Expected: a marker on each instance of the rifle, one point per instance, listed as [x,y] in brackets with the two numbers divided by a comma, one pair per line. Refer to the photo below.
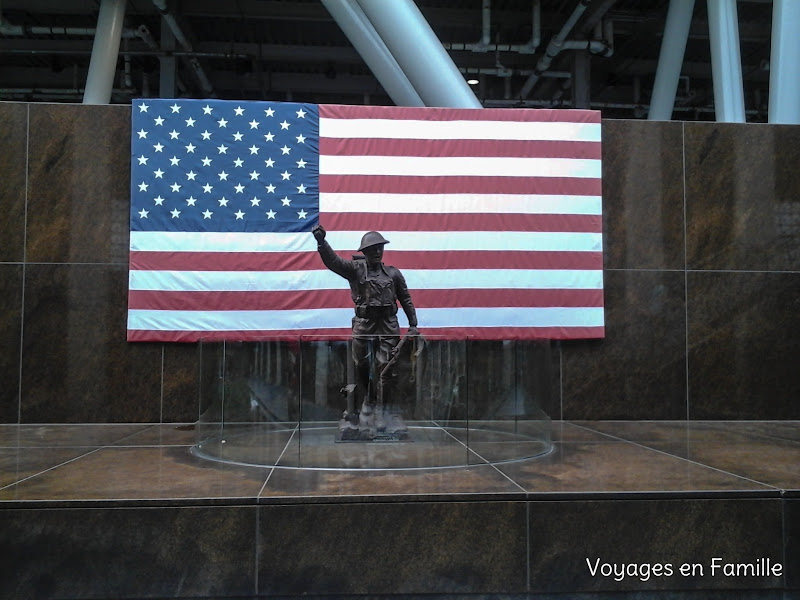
[395,356]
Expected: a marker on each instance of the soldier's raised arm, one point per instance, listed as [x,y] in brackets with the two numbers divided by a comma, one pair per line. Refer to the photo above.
[340,266]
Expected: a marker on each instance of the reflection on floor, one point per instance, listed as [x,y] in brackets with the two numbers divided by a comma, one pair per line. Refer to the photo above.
[62,463]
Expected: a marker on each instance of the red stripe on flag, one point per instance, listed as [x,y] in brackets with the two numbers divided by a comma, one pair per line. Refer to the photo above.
[251,300]
[513,333]
[305,261]
[225,261]
[463,222]
[455,333]
[311,299]
[396,113]
[138,335]
[387,184]
[504,148]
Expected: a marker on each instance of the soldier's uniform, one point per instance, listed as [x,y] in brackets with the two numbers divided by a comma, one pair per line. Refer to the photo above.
[375,295]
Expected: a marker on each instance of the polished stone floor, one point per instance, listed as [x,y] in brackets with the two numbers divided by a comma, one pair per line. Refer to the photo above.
[140,463]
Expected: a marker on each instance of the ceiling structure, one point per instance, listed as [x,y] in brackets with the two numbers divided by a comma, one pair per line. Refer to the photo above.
[293,50]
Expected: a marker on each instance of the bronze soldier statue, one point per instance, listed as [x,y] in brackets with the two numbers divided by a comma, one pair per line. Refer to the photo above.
[376,290]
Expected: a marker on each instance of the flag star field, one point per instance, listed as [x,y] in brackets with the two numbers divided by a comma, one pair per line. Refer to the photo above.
[218,166]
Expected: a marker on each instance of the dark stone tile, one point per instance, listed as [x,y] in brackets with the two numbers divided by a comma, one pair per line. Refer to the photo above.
[729,594]
[420,547]
[139,473]
[128,553]
[161,435]
[77,365]
[645,432]
[768,460]
[792,543]
[771,463]
[562,431]
[674,532]
[181,389]
[13,158]
[638,371]
[210,359]
[306,483]
[428,447]
[782,430]
[643,195]
[503,380]
[609,467]
[10,339]
[65,436]
[79,183]
[19,463]
[742,207]
[743,351]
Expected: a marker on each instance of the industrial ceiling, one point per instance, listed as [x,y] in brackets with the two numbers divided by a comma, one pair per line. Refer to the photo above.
[294,50]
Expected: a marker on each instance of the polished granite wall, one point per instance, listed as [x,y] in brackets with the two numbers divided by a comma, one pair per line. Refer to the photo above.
[702,279]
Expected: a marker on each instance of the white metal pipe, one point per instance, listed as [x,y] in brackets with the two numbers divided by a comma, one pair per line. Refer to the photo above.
[726,61]
[167,64]
[358,29]
[784,79]
[670,59]
[536,26]
[553,48]
[592,46]
[7,28]
[419,53]
[486,20]
[105,50]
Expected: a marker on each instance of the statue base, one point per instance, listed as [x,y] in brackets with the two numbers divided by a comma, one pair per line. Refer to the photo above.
[372,428]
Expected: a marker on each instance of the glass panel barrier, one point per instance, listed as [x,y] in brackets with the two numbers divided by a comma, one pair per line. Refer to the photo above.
[373,403]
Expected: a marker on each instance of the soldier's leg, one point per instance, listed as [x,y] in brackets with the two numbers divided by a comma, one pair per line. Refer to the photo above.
[388,377]
[361,360]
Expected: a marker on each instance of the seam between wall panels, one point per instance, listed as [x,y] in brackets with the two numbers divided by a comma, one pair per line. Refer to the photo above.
[24,261]
[161,390]
[685,273]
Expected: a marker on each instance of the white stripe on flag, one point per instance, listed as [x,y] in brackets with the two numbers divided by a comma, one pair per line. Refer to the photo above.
[459,166]
[460,203]
[334,318]
[419,279]
[348,241]
[458,130]
[192,241]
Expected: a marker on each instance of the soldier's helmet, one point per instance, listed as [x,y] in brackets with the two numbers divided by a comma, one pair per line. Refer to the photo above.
[372,238]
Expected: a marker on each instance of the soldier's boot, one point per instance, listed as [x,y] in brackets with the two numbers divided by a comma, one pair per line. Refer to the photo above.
[366,418]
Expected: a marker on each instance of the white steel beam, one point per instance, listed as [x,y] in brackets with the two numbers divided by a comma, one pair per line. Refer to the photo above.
[105,50]
[670,59]
[784,77]
[726,61]
[419,53]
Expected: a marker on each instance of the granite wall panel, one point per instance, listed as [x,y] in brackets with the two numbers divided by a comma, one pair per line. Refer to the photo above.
[132,553]
[10,332]
[78,183]
[742,202]
[13,157]
[392,548]
[76,365]
[643,195]
[639,370]
[791,542]
[744,350]
[577,537]
[180,401]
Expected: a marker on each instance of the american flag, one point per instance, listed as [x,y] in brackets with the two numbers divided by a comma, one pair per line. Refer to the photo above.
[493,217]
